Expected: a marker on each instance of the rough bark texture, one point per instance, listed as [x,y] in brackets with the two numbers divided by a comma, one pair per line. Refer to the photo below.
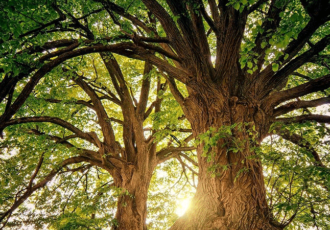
[233,198]
[220,94]
[132,205]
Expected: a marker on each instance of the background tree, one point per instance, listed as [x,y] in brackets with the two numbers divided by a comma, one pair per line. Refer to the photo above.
[96,123]
[239,60]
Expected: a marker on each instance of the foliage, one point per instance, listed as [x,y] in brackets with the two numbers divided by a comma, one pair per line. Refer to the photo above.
[77,71]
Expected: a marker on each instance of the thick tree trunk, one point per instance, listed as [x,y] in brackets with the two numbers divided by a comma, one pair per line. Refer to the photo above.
[132,203]
[231,192]
[134,180]
[233,200]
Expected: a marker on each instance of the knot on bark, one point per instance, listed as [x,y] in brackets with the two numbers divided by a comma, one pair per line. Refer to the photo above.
[233,101]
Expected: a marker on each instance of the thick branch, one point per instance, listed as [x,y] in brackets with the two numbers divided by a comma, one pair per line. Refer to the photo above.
[142,105]
[107,130]
[301,90]
[169,26]
[299,105]
[303,118]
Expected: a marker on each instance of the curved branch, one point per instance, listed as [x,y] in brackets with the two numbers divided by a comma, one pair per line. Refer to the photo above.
[299,105]
[303,118]
[8,84]
[298,91]
[121,48]
[302,76]
[53,120]
[171,152]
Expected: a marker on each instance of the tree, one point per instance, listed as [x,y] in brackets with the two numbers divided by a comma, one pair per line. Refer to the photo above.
[247,66]
[101,124]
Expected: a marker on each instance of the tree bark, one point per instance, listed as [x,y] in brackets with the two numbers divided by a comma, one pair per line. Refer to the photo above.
[134,180]
[132,204]
[231,196]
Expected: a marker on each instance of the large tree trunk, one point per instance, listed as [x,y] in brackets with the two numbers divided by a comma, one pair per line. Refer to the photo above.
[134,180]
[132,203]
[231,191]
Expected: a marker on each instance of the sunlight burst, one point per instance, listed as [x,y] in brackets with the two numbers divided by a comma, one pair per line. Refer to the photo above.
[183,206]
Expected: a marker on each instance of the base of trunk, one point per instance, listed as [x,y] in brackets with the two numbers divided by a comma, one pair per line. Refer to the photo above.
[132,204]
[233,199]
[130,214]
[210,214]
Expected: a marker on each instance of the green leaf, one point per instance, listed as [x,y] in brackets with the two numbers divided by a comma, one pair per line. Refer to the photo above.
[275,67]
[236,6]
